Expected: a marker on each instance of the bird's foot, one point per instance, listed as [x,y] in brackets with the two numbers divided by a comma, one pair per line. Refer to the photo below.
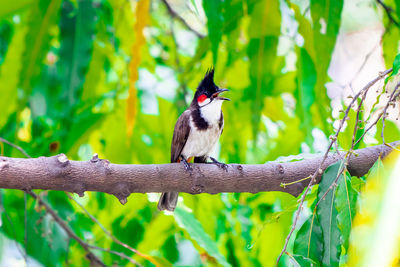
[186,165]
[219,164]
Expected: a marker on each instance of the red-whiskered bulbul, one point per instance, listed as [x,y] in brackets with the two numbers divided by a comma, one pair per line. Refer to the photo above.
[197,132]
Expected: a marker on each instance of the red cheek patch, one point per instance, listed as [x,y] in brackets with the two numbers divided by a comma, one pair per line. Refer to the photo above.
[201,98]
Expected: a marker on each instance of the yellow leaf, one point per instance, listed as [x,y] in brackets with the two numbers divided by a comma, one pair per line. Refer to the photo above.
[375,236]
[142,17]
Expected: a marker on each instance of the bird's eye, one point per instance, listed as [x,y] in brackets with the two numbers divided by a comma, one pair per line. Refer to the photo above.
[201,98]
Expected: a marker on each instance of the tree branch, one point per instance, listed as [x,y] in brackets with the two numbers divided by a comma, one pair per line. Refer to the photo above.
[388,11]
[92,257]
[176,15]
[59,173]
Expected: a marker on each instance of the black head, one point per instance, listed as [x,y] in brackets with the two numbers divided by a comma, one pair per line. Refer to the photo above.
[207,89]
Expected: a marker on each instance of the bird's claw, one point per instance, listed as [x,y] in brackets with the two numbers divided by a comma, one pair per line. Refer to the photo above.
[186,165]
[219,164]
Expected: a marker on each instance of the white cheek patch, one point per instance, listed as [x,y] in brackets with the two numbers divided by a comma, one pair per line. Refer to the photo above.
[205,102]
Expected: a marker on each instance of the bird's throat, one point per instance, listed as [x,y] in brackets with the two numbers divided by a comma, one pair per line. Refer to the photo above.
[211,112]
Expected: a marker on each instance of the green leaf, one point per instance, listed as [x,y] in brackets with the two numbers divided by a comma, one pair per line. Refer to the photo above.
[80,128]
[187,221]
[42,17]
[46,242]
[10,73]
[213,10]
[6,31]
[130,232]
[397,2]
[309,240]
[265,19]
[9,7]
[261,50]
[396,65]
[77,26]
[326,19]
[327,215]
[391,131]
[345,204]
[265,65]
[301,261]
[390,44]
[345,139]
[306,80]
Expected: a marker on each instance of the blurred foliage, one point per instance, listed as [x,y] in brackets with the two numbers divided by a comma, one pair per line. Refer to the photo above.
[112,76]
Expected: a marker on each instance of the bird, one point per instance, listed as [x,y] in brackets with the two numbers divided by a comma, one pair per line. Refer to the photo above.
[197,132]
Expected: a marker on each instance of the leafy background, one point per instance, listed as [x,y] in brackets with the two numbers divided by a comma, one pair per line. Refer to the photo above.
[111,77]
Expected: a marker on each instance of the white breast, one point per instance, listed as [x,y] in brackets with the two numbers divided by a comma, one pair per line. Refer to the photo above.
[201,143]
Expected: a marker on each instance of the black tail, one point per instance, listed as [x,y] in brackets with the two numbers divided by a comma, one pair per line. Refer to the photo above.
[168,201]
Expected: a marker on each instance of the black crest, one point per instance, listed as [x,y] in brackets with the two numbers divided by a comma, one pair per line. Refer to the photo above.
[207,85]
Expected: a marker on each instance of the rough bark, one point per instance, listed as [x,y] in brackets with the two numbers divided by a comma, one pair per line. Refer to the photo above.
[59,173]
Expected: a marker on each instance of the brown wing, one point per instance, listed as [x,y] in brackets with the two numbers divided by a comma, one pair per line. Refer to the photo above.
[221,122]
[181,134]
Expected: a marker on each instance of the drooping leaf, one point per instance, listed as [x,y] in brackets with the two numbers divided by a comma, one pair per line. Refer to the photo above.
[263,31]
[326,19]
[327,214]
[260,50]
[390,45]
[309,240]
[10,73]
[345,204]
[305,96]
[77,30]
[213,11]
[43,16]
[187,221]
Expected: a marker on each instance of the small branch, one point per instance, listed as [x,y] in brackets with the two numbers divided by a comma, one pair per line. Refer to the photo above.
[2,140]
[115,239]
[392,99]
[121,255]
[93,258]
[388,11]
[319,170]
[176,15]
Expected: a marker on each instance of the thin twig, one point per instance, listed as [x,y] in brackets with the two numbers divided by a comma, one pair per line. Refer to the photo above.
[92,257]
[15,146]
[357,120]
[109,234]
[347,157]
[120,254]
[176,15]
[388,11]
[391,99]
[333,139]
[379,116]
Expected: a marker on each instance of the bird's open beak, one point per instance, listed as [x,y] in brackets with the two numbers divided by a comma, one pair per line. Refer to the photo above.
[220,90]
